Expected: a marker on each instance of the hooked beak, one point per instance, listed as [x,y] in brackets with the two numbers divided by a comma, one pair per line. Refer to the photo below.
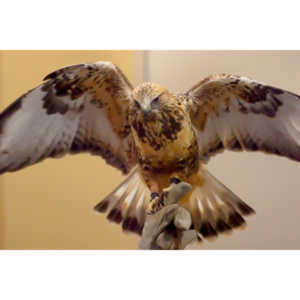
[148,114]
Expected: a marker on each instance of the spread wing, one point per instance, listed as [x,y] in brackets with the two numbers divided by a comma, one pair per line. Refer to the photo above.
[236,113]
[80,108]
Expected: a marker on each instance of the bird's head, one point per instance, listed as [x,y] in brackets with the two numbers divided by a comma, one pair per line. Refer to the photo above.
[150,100]
[156,114]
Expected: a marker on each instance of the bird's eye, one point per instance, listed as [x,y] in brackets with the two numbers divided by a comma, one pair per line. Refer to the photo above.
[137,104]
[155,100]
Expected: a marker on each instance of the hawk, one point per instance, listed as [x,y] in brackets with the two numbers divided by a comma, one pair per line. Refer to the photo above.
[153,135]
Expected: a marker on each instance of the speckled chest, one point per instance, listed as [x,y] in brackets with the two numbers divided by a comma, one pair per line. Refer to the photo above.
[166,146]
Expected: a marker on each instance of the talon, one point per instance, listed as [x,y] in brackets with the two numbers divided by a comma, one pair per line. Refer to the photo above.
[152,208]
[174,180]
[154,195]
[156,203]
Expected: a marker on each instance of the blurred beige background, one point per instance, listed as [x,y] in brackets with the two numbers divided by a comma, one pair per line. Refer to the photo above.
[49,205]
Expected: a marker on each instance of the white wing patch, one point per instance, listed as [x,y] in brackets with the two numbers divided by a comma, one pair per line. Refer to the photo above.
[235,130]
[31,134]
[80,108]
[236,113]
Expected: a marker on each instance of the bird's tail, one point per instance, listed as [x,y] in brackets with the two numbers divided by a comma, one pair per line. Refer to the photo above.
[214,208]
[127,203]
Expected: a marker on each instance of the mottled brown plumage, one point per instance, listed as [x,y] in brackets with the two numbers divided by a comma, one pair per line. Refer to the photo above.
[154,134]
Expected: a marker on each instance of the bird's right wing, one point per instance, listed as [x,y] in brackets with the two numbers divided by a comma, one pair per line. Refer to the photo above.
[80,108]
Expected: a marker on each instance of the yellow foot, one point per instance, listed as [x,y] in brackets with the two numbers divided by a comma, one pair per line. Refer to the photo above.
[156,203]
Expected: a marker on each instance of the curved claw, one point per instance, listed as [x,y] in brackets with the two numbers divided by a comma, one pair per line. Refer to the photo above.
[175,180]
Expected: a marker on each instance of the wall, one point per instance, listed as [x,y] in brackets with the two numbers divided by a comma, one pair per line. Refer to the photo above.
[268,183]
[49,205]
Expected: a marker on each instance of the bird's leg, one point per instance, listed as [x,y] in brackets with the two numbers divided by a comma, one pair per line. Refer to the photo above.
[157,200]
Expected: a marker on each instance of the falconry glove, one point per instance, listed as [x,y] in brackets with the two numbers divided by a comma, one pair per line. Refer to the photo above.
[169,228]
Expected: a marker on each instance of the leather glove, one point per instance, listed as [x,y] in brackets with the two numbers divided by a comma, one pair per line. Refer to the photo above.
[169,228]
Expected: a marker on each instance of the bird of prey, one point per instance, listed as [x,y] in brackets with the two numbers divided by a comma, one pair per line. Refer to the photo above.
[152,134]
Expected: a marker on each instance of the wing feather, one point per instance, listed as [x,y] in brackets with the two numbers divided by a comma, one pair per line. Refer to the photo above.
[237,113]
[80,108]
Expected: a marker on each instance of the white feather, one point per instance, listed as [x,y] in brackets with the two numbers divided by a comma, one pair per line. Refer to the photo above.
[278,133]
[49,121]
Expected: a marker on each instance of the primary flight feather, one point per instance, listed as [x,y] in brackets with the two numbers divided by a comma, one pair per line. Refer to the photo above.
[155,135]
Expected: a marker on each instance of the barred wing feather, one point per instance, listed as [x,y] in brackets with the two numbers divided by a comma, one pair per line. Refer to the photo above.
[236,113]
[80,108]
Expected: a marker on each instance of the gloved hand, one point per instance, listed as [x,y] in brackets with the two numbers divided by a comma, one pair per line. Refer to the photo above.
[169,228]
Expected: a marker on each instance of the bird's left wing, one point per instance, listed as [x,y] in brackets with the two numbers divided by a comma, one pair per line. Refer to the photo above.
[80,108]
[236,113]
